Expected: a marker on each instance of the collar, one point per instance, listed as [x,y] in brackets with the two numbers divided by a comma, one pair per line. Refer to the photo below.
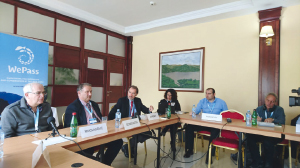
[83,102]
[130,100]
[211,102]
[168,101]
[39,107]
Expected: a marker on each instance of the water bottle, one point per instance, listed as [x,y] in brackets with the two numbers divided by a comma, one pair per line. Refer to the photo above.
[194,111]
[248,118]
[1,140]
[118,118]
[73,125]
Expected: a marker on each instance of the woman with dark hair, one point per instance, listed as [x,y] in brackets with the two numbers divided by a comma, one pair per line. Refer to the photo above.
[170,96]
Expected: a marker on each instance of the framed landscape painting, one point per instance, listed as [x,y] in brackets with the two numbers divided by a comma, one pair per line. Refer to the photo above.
[182,70]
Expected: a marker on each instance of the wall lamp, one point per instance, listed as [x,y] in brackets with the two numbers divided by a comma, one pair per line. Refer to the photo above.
[267,31]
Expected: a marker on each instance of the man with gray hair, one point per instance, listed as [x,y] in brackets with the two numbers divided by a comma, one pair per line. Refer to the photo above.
[271,113]
[28,115]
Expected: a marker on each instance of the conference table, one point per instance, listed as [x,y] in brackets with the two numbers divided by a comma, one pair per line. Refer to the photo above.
[18,150]
[235,125]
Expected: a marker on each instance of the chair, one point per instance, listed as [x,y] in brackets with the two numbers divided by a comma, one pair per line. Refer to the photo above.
[297,154]
[54,111]
[200,134]
[63,119]
[228,139]
[127,140]
[285,143]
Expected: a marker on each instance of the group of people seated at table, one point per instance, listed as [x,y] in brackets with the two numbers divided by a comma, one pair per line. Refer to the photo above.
[29,115]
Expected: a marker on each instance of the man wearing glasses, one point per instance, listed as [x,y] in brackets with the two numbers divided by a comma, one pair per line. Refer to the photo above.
[28,115]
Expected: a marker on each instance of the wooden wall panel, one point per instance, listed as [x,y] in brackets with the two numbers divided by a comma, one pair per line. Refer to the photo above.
[117,92]
[269,56]
[117,66]
[95,77]
[67,58]
[64,95]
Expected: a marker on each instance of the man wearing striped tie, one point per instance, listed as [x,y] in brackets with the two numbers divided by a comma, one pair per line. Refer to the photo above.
[88,112]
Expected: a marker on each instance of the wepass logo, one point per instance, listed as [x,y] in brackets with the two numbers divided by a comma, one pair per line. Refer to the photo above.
[26,57]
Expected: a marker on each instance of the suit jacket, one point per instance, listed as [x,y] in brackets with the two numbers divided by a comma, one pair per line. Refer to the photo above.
[123,105]
[77,107]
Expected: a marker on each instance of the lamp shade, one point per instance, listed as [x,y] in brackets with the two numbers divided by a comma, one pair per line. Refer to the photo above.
[266,31]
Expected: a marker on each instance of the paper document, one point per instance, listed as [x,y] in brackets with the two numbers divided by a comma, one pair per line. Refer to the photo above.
[179,112]
[265,124]
[52,141]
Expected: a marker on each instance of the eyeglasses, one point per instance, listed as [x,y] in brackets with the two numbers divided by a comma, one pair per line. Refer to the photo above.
[39,93]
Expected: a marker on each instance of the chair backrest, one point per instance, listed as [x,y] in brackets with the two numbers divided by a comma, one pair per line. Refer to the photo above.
[63,119]
[233,114]
[54,111]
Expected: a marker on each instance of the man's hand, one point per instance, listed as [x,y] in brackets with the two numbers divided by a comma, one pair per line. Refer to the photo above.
[258,119]
[269,120]
[151,108]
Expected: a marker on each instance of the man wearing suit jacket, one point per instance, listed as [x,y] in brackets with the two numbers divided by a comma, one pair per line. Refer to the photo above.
[88,112]
[130,106]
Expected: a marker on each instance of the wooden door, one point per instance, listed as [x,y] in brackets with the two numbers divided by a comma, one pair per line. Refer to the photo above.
[116,81]
[95,74]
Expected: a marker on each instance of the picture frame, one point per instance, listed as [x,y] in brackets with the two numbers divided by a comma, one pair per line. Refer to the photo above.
[182,70]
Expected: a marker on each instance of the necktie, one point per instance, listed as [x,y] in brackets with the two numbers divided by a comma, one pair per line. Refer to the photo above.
[88,106]
[131,105]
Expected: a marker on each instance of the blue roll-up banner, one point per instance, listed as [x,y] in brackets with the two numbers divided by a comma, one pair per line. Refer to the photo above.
[23,61]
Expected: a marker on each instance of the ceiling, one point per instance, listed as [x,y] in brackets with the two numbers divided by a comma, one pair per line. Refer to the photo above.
[136,17]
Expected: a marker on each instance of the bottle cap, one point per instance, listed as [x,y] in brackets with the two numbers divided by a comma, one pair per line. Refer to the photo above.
[74,113]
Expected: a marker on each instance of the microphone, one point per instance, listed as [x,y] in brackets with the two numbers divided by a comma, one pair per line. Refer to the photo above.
[136,115]
[51,121]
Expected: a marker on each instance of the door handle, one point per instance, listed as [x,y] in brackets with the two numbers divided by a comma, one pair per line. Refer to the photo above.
[109,91]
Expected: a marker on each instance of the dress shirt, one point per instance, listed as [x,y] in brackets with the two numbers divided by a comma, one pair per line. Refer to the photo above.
[87,114]
[298,121]
[133,108]
[216,107]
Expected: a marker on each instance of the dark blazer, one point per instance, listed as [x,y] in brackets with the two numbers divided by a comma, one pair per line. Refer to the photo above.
[3,104]
[77,107]
[163,104]
[123,105]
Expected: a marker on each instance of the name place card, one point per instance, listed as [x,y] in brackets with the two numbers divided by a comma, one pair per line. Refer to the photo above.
[213,117]
[36,156]
[143,117]
[92,130]
[152,116]
[129,124]
[297,127]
